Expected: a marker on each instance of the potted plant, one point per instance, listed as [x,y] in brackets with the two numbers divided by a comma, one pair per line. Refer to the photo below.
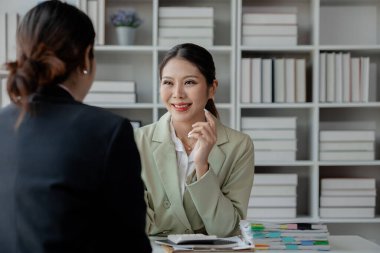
[126,22]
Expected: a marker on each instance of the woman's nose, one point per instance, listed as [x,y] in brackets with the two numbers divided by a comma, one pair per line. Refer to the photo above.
[178,91]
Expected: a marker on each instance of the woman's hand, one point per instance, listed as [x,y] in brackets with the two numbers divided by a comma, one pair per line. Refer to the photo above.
[205,134]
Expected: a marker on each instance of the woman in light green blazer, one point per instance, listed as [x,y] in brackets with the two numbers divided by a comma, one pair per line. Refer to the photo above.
[197,172]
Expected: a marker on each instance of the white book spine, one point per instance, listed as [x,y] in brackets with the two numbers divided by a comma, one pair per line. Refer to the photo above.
[270,134]
[186,12]
[101,22]
[341,201]
[364,79]
[169,42]
[275,145]
[270,18]
[3,39]
[346,77]
[256,80]
[344,212]
[355,79]
[113,86]
[92,12]
[339,193]
[338,78]
[245,80]
[347,135]
[274,190]
[5,100]
[348,183]
[290,83]
[268,122]
[274,40]
[110,98]
[185,22]
[322,77]
[300,80]
[330,77]
[347,155]
[262,212]
[279,80]
[269,30]
[275,179]
[185,32]
[279,156]
[267,80]
[346,145]
[273,201]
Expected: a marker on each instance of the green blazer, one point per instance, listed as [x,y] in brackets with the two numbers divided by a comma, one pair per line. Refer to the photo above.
[213,205]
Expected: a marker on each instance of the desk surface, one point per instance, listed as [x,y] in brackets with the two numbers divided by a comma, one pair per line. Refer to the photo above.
[339,244]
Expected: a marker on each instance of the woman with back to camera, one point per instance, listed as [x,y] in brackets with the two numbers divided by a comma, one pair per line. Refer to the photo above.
[65,167]
[197,172]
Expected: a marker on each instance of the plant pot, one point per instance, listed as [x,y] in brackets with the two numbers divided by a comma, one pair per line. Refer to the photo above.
[125,35]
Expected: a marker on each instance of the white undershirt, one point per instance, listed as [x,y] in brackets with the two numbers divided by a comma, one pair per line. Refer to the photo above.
[185,163]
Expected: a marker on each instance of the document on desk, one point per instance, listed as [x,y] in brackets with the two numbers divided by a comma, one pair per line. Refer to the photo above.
[220,245]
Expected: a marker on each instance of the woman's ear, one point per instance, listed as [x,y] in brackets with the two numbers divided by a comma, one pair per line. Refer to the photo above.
[212,89]
[87,64]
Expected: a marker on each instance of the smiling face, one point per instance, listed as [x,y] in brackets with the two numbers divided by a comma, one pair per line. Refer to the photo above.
[184,91]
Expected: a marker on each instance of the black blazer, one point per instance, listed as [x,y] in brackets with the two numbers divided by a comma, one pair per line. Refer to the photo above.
[69,179]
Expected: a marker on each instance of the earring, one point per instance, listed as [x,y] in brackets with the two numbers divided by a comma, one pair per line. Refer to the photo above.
[85,72]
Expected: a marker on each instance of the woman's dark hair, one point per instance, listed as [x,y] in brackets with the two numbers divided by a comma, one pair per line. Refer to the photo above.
[51,43]
[201,58]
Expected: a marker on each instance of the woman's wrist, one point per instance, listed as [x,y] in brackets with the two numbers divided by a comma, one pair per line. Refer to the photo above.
[201,170]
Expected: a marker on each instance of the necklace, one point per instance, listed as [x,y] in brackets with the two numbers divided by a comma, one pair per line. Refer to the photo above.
[187,146]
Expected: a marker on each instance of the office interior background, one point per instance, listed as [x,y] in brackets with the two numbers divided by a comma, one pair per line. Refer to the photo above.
[300,76]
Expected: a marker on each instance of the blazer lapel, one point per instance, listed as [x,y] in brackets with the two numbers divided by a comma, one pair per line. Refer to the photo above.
[166,163]
[217,156]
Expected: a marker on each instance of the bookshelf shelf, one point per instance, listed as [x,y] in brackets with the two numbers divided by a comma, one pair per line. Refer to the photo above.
[359,37]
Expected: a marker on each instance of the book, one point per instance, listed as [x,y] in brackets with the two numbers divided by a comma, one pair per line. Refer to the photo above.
[347,212]
[275,179]
[3,39]
[270,134]
[338,78]
[275,144]
[348,183]
[271,212]
[12,24]
[270,18]
[347,135]
[273,190]
[347,145]
[364,79]
[113,86]
[346,77]
[185,22]
[245,80]
[249,29]
[290,82]
[110,98]
[256,80]
[185,12]
[297,227]
[185,32]
[300,81]
[355,79]
[349,192]
[268,122]
[266,80]
[169,42]
[275,156]
[322,77]
[330,77]
[279,80]
[347,201]
[347,155]
[266,40]
[5,100]
[272,201]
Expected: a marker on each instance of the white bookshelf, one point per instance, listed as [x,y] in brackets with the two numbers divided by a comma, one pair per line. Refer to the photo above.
[140,63]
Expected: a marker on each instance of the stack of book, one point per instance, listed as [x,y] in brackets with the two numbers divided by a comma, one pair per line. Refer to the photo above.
[274,137]
[269,29]
[285,236]
[95,9]
[346,145]
[103,93]
[185,24]
[348,198]
[279,80]
[343,78]
[273,196]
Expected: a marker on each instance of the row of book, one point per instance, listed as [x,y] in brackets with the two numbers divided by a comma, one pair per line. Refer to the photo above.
[185,24]
[279,80]
[274,137]
[348,198]
[111,93]
[8,29]
[269,29]
[273,196]
[285,236]
[347,145]
[95,9]
[343,78]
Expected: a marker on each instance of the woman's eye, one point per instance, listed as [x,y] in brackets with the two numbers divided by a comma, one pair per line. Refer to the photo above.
[189,82]
[166,82]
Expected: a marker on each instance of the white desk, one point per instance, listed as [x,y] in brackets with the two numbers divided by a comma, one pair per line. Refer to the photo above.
[339,244]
